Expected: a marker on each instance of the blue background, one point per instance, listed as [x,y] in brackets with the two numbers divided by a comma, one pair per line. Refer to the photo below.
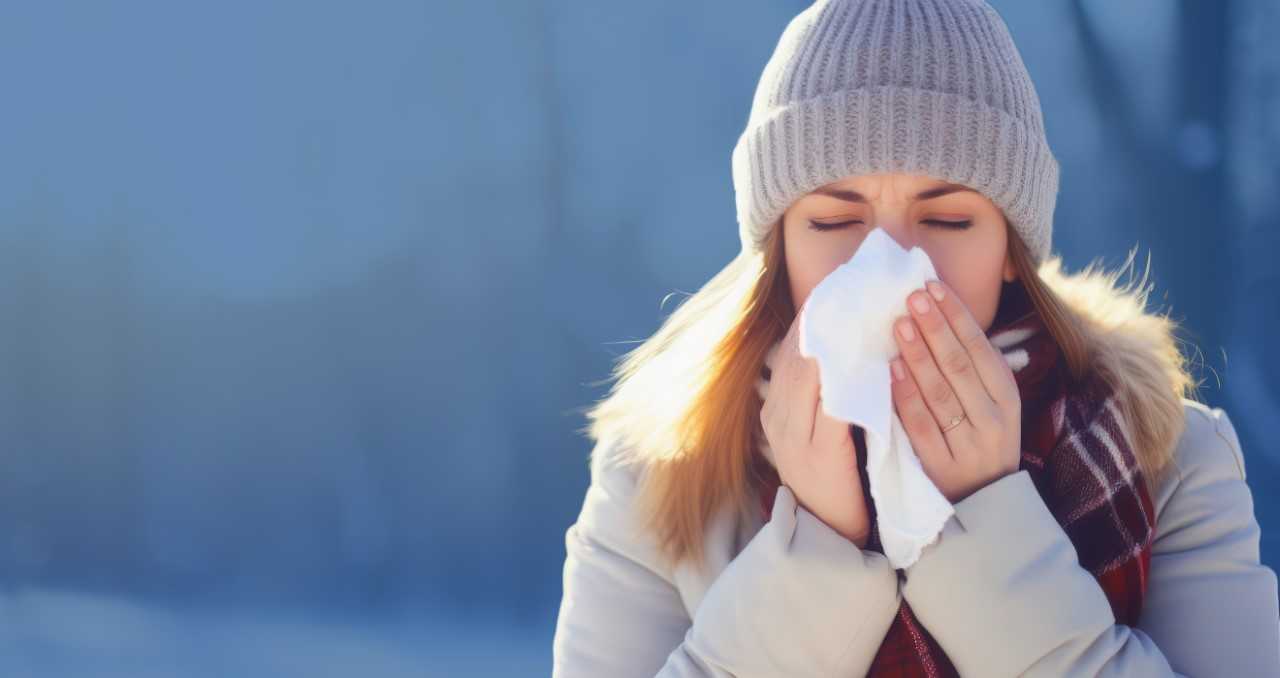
[300,302]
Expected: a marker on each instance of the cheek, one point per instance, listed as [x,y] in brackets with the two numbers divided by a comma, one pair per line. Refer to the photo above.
[973,265]
[981,299]
[977,286]
[810,261]
[803,279]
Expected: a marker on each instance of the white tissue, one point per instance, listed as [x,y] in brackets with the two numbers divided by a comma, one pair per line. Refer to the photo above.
[846,325]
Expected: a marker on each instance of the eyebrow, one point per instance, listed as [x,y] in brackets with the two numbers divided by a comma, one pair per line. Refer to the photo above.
[854,196]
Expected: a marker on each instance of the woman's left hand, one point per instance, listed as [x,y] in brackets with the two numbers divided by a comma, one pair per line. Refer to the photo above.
[955,395]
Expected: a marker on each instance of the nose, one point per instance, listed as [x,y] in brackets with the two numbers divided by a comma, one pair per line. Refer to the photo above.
[900,231]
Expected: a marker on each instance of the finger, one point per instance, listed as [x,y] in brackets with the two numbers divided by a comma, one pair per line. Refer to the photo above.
[827,430]
[987,361]
[936,390]
[951,357]
[782,361]
[773,413]
[808,395]
[922,429]
[800,388]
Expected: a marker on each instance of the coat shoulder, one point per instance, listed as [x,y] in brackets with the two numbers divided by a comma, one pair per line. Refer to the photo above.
[610,516]
[1207,461]
[1208,440]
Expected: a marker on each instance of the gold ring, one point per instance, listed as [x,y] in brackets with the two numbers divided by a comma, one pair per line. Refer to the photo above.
[955,421]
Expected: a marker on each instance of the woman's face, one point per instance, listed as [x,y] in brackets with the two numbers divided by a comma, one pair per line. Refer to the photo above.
[970,253]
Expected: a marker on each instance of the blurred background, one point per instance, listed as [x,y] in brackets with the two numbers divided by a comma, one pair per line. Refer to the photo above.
[300,302]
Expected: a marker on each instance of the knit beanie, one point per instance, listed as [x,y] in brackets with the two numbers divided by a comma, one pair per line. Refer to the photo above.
[932,87]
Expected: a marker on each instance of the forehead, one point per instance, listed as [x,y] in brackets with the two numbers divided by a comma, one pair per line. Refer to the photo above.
[868,187]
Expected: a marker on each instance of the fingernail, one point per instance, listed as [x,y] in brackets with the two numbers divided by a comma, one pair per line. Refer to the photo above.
[896,367]
[905,329]
[935,289]
[920,303]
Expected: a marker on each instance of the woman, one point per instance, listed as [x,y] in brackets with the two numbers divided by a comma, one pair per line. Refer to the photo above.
[1102,521]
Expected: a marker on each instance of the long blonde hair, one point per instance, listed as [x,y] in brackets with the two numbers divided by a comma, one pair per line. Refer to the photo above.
[685,406]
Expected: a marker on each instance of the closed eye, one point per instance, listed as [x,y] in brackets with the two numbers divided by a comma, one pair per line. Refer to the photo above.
[937,223]
[954,225]
[821,226]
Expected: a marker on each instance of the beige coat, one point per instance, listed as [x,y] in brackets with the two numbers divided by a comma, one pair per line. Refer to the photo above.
[1001,590]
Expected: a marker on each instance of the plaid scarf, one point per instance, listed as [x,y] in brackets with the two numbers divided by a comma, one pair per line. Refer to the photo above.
[1078,457]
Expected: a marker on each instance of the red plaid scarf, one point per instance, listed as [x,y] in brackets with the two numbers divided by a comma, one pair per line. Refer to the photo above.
[1078,456]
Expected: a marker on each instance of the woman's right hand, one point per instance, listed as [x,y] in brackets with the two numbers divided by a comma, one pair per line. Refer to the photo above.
[814,453]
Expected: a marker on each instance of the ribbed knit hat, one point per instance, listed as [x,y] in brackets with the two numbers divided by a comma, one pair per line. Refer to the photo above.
[932,87]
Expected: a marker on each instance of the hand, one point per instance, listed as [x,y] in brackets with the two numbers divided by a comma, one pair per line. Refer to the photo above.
[814,453]
[956,395]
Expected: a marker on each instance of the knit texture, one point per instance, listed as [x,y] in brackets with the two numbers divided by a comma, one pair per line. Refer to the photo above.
[932,87]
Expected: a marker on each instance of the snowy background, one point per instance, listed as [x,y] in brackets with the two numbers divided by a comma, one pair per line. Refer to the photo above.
[300,302]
